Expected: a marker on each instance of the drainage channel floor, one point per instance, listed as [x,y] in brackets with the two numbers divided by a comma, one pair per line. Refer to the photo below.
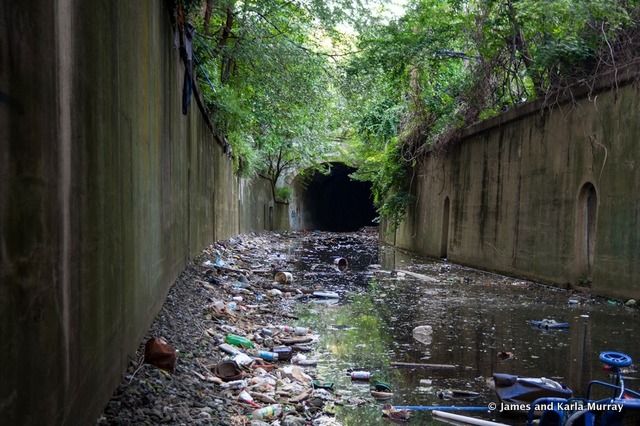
[479,324]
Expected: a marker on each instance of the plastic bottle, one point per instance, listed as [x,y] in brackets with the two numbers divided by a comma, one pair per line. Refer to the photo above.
[228,328]
[236,340]
[243,360]
[231,350]
[286,328]
[235,384]
[301,331]
[284,352]
[246,397]
[268,356]
[267,413]
[360,375]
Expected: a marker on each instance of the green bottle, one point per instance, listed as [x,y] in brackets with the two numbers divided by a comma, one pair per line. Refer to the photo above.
[236,340]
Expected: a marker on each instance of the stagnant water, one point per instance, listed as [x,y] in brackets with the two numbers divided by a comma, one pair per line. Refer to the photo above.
[474,316]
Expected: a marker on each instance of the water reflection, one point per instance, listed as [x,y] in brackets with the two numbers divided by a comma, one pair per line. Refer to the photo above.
[474,316]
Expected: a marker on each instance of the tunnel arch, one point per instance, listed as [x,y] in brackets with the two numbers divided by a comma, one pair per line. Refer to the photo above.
[333,201]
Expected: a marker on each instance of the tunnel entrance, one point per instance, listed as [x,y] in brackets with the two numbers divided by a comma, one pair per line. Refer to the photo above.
[335,202]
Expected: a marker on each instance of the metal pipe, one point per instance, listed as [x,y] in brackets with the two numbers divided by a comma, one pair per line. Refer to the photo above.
[464,419]
[438,407]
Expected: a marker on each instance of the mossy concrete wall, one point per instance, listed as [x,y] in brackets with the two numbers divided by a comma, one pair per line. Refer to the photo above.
[514,184]
[106,192]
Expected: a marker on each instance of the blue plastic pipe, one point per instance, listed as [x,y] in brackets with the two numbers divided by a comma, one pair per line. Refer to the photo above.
[438,407]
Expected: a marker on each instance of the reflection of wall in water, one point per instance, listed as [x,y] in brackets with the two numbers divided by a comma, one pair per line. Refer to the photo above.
[391,258]
[580,353]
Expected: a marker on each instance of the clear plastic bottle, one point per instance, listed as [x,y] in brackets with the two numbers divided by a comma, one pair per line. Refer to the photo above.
[301,331]
[247,398]
[268,413]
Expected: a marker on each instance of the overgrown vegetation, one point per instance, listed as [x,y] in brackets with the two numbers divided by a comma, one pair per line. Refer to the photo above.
[446,64]
[287,83]
[267,72]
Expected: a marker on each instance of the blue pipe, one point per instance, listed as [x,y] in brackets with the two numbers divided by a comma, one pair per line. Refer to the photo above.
[438,407]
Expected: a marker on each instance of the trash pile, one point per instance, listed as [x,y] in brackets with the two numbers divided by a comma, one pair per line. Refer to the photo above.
[227,348]
[224,350]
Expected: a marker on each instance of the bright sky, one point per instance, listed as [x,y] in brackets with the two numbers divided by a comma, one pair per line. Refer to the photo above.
[385,9]
[392,8]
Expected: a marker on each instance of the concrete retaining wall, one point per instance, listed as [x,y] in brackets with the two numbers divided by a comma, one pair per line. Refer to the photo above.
[106,191]
[516,192]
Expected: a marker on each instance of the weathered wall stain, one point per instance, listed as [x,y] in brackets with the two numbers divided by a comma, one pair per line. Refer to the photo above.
[514,183]
[106,192]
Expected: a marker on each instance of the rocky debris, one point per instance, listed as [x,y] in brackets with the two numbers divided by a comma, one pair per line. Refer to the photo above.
[238,359]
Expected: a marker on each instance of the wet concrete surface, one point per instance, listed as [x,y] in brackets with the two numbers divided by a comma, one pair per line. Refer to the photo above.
[474,316]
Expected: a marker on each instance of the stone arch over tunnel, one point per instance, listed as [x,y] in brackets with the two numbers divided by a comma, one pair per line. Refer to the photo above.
[334,201]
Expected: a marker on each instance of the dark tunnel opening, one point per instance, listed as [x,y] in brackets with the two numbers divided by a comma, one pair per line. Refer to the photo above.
[335,202]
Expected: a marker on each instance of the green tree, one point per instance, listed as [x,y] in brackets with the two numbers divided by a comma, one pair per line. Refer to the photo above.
[267,72]
[418,80]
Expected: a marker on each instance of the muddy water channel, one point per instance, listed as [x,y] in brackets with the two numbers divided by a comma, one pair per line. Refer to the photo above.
[475,318]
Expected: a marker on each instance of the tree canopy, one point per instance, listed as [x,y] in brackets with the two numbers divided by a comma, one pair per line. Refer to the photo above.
[290,82]
[418,80]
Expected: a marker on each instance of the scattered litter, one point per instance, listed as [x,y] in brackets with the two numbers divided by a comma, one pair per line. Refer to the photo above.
[549,324]
[268,356]
[504,355]
[381,396]
[415,275]
[245,397]
[317,384]
[326,294]
[423,365]
[240,341]
[359,375]
[231,350]
[341,263]
[159,353]
[228,371]
[244,360]
[274,292]
[284,352]
[283,277]
[396,415]
[459,419]
[448,394]
[267,413]
[423,334]
[381,391]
